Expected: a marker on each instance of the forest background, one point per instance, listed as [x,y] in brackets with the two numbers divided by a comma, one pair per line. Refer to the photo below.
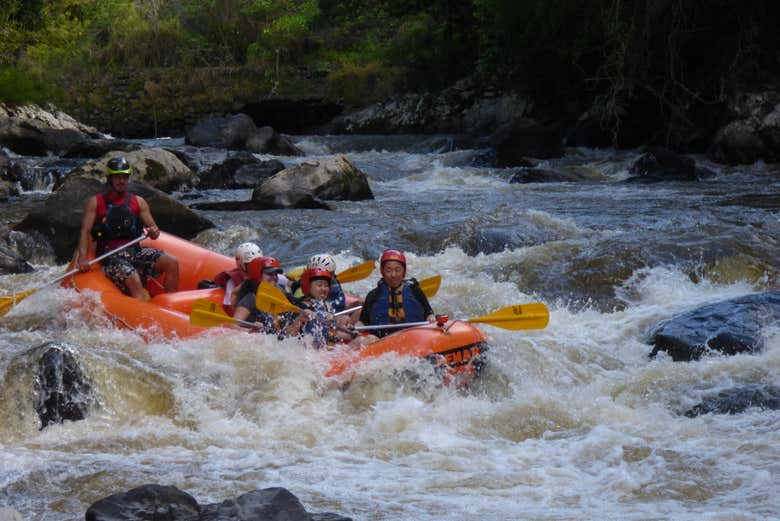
[666,65]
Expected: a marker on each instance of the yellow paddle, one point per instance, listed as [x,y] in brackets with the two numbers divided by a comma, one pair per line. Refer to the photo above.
[516,317]
[353,274]
[272,300]
[430,286]
[6,303]
[209,314]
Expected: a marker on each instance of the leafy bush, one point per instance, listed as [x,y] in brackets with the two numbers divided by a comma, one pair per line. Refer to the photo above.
[19,87]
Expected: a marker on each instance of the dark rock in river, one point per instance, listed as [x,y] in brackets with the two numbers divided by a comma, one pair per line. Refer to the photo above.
[10,260]
[165,503]
[242,170]
[525,138]
[729,327]
[738,399]
[94,148]
[59,220]
[754,131]
[62,391]
[238,132]
[661,164]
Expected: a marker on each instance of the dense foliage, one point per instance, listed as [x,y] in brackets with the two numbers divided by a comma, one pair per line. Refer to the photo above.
[671,54]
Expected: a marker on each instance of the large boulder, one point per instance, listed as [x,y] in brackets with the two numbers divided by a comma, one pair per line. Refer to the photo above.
[661,164]
[166,503]
[155,167]
[753,132]
[62,390]
[45,385]
[331,179]
[525,138]
[34,130]
[729,327]
[59,221]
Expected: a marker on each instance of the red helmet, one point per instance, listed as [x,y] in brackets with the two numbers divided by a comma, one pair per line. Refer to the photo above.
[312,274]
[393,255]
[256,267]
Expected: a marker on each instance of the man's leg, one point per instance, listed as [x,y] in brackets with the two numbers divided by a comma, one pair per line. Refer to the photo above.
[169,265]
[133,284]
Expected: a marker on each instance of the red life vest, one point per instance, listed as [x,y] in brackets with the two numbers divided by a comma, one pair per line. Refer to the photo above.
[236,275]
[103,201]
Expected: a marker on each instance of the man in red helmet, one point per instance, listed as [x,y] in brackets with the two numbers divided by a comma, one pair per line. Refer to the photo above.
[316,320]
[114,218]
[395,300]
[260,269]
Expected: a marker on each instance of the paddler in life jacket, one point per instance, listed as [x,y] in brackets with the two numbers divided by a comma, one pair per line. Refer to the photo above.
[316,321]
[232,279]
[261,269]
[395,300]
[336,298]
[114,218]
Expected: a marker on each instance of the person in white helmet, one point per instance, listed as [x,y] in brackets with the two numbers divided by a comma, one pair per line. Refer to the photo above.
[232,279]
[336,299]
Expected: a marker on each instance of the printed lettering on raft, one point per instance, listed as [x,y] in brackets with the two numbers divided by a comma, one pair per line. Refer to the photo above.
[461,356]
[517,310]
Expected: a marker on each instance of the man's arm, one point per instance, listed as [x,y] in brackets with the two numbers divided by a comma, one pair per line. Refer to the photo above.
[85,234]
[146,218]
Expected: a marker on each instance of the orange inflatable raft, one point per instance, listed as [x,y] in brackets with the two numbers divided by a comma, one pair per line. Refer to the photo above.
[166,314]
[455,347]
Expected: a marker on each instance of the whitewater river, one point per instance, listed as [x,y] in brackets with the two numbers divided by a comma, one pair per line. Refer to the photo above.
[572,422]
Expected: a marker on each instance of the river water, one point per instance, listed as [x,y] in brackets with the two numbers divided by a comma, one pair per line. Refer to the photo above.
[568,423]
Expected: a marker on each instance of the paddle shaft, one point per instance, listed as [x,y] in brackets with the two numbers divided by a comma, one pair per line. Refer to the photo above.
[393,326]
[97,259]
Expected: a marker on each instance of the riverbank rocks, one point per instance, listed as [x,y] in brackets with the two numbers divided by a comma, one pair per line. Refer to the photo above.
[34,130]
[753,132]
[467,107]
[238,132]
[155,167]
[167,503]
[729,327]
[59,220]
[331,179]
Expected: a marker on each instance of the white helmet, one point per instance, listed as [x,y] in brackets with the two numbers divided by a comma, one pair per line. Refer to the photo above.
[323,261]
[247,252]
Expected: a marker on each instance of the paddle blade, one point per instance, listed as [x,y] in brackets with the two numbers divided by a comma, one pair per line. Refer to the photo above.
[430,286]
[208,305]
[206,318]
[295,274]
[519,316]
[272,300]
[6,303]
[355,273]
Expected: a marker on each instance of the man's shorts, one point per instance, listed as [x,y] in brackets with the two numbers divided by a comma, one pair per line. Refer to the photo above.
[122,264]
